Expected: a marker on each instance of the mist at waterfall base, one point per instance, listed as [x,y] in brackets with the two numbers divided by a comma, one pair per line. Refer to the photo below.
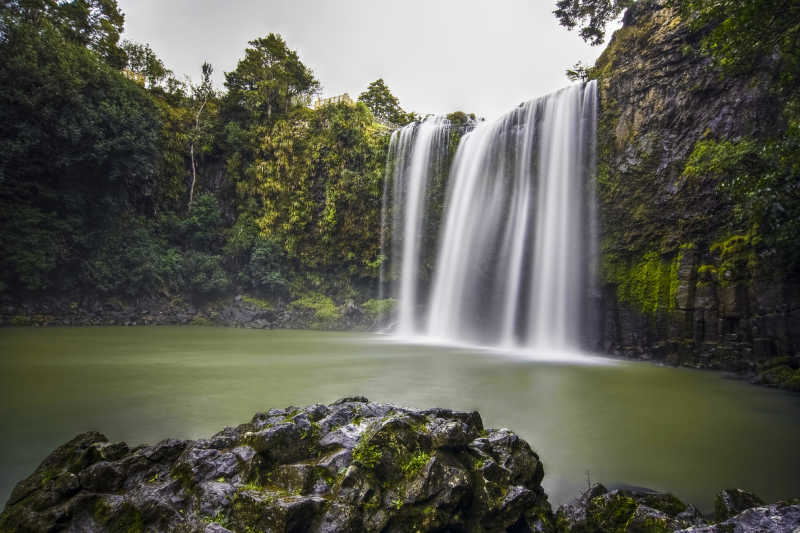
[495,246]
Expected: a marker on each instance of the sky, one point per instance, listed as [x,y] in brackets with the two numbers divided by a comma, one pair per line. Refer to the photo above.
[436,56]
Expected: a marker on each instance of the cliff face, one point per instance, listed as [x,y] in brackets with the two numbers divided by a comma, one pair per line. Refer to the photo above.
[682,279]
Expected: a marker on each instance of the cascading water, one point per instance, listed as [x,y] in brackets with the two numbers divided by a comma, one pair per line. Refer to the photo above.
[516,250]
[418,154]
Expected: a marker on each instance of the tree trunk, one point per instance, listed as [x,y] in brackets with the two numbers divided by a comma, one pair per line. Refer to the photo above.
[194,177]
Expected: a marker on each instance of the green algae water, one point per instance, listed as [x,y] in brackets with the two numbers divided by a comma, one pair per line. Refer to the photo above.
[621,423]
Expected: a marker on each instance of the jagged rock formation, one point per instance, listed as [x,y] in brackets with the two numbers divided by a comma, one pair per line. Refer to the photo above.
[599,510]
[349,466]
[682,282]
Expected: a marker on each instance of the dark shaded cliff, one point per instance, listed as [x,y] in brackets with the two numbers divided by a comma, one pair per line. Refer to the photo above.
[685,279]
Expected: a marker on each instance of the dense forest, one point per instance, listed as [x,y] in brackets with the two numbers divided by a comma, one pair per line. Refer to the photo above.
[118,180]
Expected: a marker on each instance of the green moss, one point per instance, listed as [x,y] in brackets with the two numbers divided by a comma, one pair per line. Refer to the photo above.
[324,313]
[367,455]
[376,309]
[666,503]
[183,474]
[201,321]
[258,302]
[415,464]
[20,320]
[126,519]
[737,255]
[793,383]
[218,518]
[782,376]
[313,433]
[649,283]
[611,514]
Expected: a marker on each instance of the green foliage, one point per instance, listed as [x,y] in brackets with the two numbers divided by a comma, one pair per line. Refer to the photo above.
[93,24]
[131,262]
[747,35]
[269,81]
[34,244]
[72,121]
[761,180]
[591,16]
[258,302]
[376,309]
[415,464]
[579,72]
[319,179]
[203,273]
[460,119]
[202,227]
[103,147]
[384,105]
[366,454]
[265,271]
[610,514]
[649,282]
[143,64]
[323,311]
[736,254]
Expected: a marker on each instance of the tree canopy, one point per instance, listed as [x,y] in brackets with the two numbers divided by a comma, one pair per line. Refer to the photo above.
[95,24]
[591,16]
[270,80]
[384,105]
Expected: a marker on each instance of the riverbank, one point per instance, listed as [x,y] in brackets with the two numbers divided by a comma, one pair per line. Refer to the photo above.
[240,310]
[349,466]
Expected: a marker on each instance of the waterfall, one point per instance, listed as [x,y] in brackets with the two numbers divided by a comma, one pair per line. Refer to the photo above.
[516,254]
[418,154]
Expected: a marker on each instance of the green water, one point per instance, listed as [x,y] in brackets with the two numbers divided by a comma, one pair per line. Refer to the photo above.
[685,431]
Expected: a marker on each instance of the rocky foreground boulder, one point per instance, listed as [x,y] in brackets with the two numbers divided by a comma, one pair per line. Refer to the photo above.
[349,466]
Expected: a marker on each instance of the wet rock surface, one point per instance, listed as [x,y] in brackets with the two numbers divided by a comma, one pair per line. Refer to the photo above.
[730,502]
[775,518]
[349,466]
[599,510]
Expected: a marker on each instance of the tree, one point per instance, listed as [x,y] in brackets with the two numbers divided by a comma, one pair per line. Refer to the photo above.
[384,105]
[591,16]
[200,135]
[143,64]
[72,121]
[318,177]
[270,80]
[78,149]
[94,24]
[579,72]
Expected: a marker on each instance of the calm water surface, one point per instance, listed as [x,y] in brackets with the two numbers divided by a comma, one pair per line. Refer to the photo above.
[685,431]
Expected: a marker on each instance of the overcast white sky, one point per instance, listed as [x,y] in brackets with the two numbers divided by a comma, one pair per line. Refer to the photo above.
[437,56]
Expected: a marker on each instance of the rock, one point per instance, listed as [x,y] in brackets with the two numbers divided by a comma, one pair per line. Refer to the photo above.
[730,502]
[775,518]
[600,510]
[353,466]
[661,97]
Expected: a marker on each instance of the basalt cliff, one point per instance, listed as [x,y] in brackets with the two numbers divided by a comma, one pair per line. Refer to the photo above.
[682,279]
